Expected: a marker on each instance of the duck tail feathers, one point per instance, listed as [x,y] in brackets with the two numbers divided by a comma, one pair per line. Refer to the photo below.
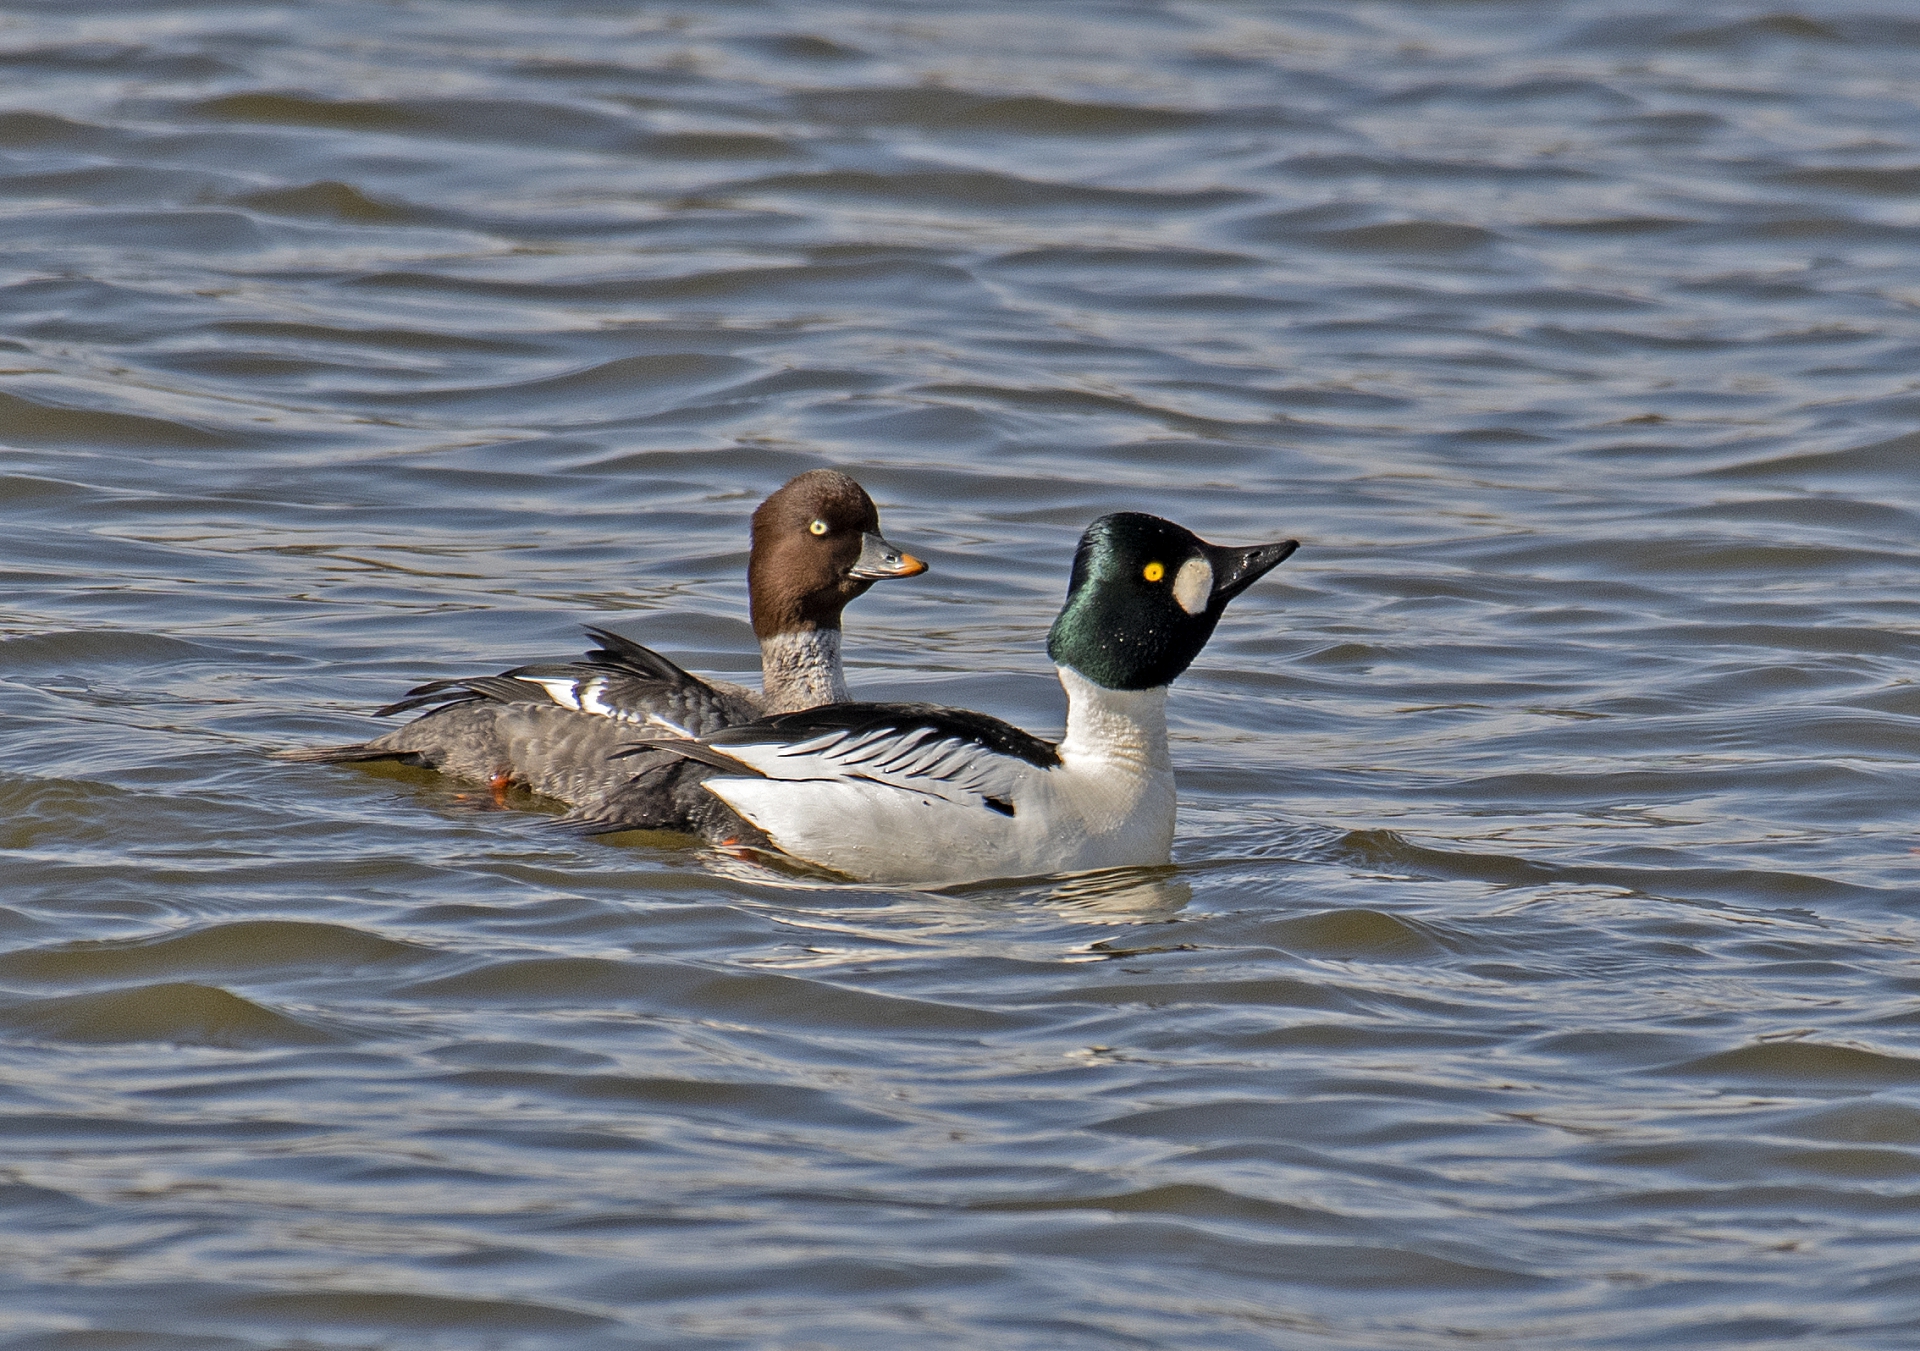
[341,755]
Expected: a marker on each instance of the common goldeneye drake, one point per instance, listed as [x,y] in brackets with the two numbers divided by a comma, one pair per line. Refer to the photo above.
[918,795]
[553,727]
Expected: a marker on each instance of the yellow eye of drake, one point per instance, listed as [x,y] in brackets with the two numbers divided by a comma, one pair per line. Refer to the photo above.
[1154,572]
[818,527]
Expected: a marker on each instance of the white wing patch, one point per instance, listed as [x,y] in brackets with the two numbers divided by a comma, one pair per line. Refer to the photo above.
[585,696]
[563,690]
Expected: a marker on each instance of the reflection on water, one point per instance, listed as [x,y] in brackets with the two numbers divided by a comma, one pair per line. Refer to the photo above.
[1136,895]
[1536,966]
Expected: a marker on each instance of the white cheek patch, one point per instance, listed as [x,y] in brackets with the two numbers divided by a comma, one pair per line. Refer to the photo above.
[1193,584]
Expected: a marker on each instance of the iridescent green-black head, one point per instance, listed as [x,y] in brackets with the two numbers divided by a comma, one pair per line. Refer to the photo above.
[1144,597]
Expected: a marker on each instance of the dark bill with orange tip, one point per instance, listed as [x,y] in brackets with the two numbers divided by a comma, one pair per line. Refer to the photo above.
[879,560]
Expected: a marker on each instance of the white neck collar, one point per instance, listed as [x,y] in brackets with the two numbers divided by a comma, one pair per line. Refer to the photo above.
[1129,726]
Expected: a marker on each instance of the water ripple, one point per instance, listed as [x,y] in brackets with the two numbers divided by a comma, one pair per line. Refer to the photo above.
[1536,957]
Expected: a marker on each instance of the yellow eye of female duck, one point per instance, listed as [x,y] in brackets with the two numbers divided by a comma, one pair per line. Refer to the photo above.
[818,528]
[1154,572]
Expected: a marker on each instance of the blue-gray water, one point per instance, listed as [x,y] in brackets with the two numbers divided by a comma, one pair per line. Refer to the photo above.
[1538,966]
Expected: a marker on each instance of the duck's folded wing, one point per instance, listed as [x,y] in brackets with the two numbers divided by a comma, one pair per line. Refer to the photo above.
[619,679]
[963,757]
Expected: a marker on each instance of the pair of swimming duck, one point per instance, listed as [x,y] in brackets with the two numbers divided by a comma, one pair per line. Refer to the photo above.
[900,794]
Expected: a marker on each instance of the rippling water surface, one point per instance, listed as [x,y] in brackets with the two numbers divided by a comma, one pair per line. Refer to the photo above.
[1537,968]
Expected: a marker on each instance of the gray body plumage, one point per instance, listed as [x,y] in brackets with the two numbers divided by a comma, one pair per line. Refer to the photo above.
[559,730]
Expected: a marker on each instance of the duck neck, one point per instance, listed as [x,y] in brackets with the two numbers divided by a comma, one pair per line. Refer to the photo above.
[800,668]
[1123,728]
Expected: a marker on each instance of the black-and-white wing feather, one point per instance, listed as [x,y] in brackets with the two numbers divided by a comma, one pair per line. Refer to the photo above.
[964,757]
[619,679]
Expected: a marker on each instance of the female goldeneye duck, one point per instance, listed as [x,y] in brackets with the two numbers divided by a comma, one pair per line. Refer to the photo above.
[552,727]
[917,795]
